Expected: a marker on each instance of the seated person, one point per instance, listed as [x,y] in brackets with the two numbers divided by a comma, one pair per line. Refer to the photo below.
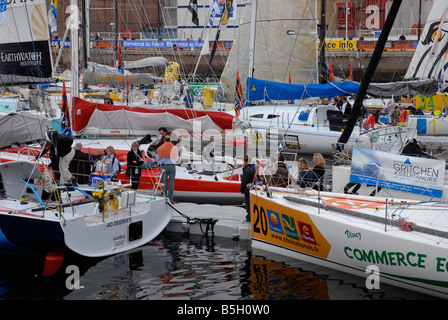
[304,176]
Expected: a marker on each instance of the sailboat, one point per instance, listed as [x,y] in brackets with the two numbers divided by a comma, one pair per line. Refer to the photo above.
[386,239]
[429,63]
[288,32]
[39,215]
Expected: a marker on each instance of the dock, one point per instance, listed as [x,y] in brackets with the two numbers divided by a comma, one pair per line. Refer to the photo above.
[217,220]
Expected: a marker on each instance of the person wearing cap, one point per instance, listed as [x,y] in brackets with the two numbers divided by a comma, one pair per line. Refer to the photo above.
[61,146]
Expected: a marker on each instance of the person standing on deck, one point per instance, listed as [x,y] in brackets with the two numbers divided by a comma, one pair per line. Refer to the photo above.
[167,154]
[61,146]
[189,99]
[134,163]
[248,178]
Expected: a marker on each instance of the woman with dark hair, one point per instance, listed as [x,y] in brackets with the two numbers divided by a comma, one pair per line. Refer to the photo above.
[280,177]
[134,163]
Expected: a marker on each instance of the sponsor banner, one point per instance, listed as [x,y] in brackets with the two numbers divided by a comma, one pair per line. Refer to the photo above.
[287,228]
[339,44]
[26,59]
[148,44]
[409,174]
[163,44]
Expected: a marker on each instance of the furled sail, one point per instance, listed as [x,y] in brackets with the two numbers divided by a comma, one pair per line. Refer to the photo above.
[25,55]
[117,79]
[427,87]
[270,90]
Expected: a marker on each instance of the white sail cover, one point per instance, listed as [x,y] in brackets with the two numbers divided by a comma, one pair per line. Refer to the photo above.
[21,128]
[87,116]
[25,54]
[430,55]
[276,52]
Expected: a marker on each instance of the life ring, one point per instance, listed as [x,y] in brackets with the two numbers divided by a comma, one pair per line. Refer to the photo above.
[403,116]
[370,122]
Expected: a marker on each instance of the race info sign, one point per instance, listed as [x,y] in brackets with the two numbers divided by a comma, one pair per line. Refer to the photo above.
[410,174]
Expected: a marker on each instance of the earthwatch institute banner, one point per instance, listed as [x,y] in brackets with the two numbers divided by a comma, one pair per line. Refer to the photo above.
[24,42]
[397,172]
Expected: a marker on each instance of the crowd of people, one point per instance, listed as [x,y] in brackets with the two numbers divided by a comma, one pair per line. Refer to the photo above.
[72,166]
[393,115]
[304,178]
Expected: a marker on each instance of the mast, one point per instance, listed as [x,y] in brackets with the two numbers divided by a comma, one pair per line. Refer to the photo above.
[75,49]
[376,56]
[322,37]
[84,36]
[253,27]
[116,31]
[83,33]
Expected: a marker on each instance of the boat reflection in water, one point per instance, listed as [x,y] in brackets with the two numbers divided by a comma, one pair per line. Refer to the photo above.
[176,267]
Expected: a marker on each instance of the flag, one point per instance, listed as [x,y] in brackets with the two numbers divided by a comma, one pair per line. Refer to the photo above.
[216,9]
[330,74]
[120,60]
[65,116]
[350,71]
[206,46]
[52,13]
[226,11]
[442,78]
[290,82]
[127,88]
[193,8]
[238,96]
[3,12]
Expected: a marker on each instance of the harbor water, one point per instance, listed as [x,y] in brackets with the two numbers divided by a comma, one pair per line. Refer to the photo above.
[179,267]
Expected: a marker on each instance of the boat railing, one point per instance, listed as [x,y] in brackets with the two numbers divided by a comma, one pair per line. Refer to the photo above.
[158,183]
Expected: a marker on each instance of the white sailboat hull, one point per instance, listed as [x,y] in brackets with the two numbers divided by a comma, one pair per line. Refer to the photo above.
[30,224]
[95,236]
[362,237]
[314,132]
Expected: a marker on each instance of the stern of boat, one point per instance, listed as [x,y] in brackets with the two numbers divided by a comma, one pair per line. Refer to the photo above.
[118,230]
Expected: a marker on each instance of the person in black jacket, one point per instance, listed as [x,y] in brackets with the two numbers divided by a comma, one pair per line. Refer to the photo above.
[248,178]
[81,165]
[61,146]
[134,163]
